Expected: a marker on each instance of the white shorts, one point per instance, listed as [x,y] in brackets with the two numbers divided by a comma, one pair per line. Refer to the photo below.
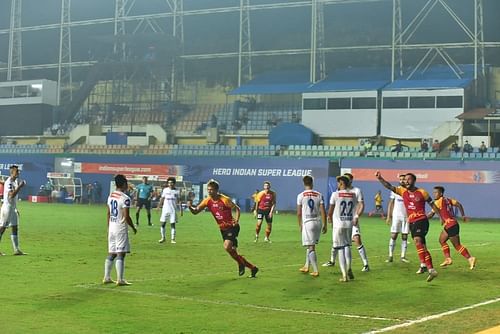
[311,231]
[400,225]
[8,216]
[355,231]
[342,236]
[118,242]
[168,216]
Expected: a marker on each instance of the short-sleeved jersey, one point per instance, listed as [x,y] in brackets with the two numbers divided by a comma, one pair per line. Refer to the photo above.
[117,202]
[265,200]
[10,185]
[398,210]
[445,206]
[414,202]
[170,199]
[221,209]
[345,202]
[144,190]
[358,192]
[310,201]
[378,199]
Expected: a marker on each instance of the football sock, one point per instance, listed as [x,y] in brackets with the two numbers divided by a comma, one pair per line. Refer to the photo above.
[149,218]
[172,231]
[404,246]
[234,254]
[392,245]
[108,264]
[313,260]
[446,249]
[428,260]
[120,267]
[333,255]
[257,229]
[307,258]
[268,231]
[462,250]
[15,241]
[348,257]
[342,261]
[362,253]
[137,218]
[162,231]
[420,253]
[247,264]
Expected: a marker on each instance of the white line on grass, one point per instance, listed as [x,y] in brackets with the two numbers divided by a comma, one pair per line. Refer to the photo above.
[433,317]
[228,303]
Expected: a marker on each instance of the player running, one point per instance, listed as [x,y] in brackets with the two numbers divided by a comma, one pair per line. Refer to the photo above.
[169,202]
[451,229]
[312,221]
[221,208]
[414,200]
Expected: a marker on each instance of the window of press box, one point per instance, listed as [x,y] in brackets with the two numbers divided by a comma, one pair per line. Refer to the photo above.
[315,104]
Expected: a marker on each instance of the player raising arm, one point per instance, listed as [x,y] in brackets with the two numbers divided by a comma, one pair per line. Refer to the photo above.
[221,208]
[414,200]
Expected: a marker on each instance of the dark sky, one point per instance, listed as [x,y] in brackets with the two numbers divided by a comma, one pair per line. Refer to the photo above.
[368,23]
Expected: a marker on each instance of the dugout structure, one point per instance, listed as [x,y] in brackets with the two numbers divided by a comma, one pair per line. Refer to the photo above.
[64,184]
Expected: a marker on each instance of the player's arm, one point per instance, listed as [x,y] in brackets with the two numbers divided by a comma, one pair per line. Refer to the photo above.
[237,211]
[386,184]
[13,193]
[108,215]
[128,220]
[160,204]
[323,217]
[273,206]
[196,209]
[179,205]
[435,209]
[390,207]
[431,214]
[299,216]
[330,213]
[461,209]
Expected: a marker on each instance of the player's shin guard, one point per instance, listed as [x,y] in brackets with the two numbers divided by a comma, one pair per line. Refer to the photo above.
[404,246]
[15,241]
[313,260]
[342,261]
[362,254]
[162,230]
[333,255]
[306,265]
[446,249]
[120,267]
[428,260]
[172,231]
[462,250]
[392,246]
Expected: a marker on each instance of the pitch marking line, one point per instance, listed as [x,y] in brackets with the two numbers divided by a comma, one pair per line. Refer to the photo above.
[434,316]
[228,303]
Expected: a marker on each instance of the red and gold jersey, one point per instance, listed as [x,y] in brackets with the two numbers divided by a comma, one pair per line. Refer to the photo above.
[221,209]
[445,206]
[265,200]
[414,203]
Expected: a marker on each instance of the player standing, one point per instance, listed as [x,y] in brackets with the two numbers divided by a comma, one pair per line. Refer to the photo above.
[312,221]
[398,219]
[169,202]
[221,208]
[118,222]
[451,229]
[265,205]
[414,200]
[144,192]
[8,212]
[343,213]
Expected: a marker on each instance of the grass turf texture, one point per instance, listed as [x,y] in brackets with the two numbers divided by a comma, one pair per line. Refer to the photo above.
[193,286]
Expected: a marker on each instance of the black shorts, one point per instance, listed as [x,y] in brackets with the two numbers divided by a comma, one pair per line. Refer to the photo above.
[453,231]
[261,214]
[231,234]
[143,202]
[420,229]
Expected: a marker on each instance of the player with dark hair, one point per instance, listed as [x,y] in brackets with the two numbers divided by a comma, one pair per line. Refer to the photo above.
[118,222]
[414,199]
[451,229]
[221,208]
[265,203]
[169,204]
[311,217]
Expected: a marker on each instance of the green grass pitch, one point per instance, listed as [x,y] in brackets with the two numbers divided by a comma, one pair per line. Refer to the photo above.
[193,286]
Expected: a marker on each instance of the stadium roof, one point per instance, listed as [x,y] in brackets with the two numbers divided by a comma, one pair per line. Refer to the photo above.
[355,79]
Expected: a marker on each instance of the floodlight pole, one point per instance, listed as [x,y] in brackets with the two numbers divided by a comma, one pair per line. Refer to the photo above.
[245,44]
[15,60]
[397,34]
[65,76]
[317,68]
